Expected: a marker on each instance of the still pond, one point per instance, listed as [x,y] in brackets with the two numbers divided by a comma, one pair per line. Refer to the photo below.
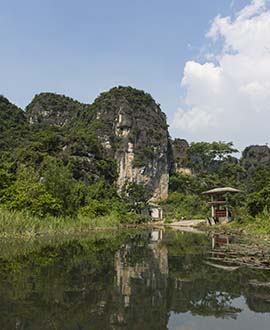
[141,280]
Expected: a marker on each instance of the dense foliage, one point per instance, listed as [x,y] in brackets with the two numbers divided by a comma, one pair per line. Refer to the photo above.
[52,162]
[213,165]
[80,283]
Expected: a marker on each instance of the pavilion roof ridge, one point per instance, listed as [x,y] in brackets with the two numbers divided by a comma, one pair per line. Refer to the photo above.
[222,190]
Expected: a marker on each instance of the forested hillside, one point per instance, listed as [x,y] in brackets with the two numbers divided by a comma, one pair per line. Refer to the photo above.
[60,157]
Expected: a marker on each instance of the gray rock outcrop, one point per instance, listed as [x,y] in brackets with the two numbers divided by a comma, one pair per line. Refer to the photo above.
[134,130]
[124,123]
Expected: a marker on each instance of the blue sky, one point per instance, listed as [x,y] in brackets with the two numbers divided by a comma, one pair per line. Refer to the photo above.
[81,48]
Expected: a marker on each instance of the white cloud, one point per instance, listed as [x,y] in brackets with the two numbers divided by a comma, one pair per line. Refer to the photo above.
[228,96]
[254,8]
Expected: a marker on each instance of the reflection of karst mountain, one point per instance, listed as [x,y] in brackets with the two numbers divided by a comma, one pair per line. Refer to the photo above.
[124,282]
[141,284]
[155,277]
[167,274]
[258,296]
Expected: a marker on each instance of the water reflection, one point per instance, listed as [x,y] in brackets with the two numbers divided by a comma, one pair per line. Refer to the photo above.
[141,277]
[220,240]
[138,280]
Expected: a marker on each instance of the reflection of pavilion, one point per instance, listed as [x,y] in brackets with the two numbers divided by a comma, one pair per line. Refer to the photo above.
[220,240]
[152,280]
[151,276]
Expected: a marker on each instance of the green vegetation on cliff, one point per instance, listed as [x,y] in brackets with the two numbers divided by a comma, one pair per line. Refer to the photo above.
[60,159]
[213,165]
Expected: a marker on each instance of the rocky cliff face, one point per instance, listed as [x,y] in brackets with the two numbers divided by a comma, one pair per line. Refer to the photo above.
[52,109]
[124,124]
[255,156]
[132,128]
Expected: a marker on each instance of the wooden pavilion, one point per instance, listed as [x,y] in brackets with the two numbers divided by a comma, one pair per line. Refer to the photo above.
[220,208]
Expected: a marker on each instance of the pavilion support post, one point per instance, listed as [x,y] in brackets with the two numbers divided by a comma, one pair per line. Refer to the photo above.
[212,207]
[213,242]
[227,209]
[227,213]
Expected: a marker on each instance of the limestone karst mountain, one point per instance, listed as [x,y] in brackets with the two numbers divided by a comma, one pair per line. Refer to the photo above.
[133,130]
[124,127]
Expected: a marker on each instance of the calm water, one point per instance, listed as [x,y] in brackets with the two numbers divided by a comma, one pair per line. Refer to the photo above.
[131,280]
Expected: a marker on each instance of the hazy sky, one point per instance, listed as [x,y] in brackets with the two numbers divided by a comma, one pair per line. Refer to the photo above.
[206,62]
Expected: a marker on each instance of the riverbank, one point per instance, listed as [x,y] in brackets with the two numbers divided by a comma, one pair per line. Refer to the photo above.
[259,225]
[14,223]
[241,248]
[256,227]
[253,226]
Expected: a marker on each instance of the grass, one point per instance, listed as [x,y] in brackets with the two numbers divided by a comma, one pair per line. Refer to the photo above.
[259,225]
[23,223]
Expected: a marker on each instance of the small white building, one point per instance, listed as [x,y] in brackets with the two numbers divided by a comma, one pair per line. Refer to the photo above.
[155,211]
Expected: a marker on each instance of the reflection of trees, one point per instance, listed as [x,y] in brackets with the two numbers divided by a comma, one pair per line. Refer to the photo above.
[73,285]
[199,289]
[119,282]
[59,286]
[258,295]
[216,304]
[259,303]
[200,302]
[204,290]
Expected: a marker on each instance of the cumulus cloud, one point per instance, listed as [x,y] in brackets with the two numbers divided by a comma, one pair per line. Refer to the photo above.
[228,96]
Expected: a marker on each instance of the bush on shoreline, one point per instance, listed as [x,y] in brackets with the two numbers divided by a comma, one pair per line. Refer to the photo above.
[24,223]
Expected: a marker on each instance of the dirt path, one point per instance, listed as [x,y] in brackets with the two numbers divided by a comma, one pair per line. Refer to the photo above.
[186,223]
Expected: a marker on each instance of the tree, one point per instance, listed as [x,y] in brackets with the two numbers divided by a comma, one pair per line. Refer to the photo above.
[184,183]
[258,201]
[28,193]
[204,157]
[58,181]
[5,179]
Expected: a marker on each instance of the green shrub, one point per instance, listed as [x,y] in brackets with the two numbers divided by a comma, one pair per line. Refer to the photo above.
[27,193]
[179,205]
[5,179]
[59,182]
[258,201]
[96,209]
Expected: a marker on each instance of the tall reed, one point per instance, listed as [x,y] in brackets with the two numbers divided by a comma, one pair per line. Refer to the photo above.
[18,223]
